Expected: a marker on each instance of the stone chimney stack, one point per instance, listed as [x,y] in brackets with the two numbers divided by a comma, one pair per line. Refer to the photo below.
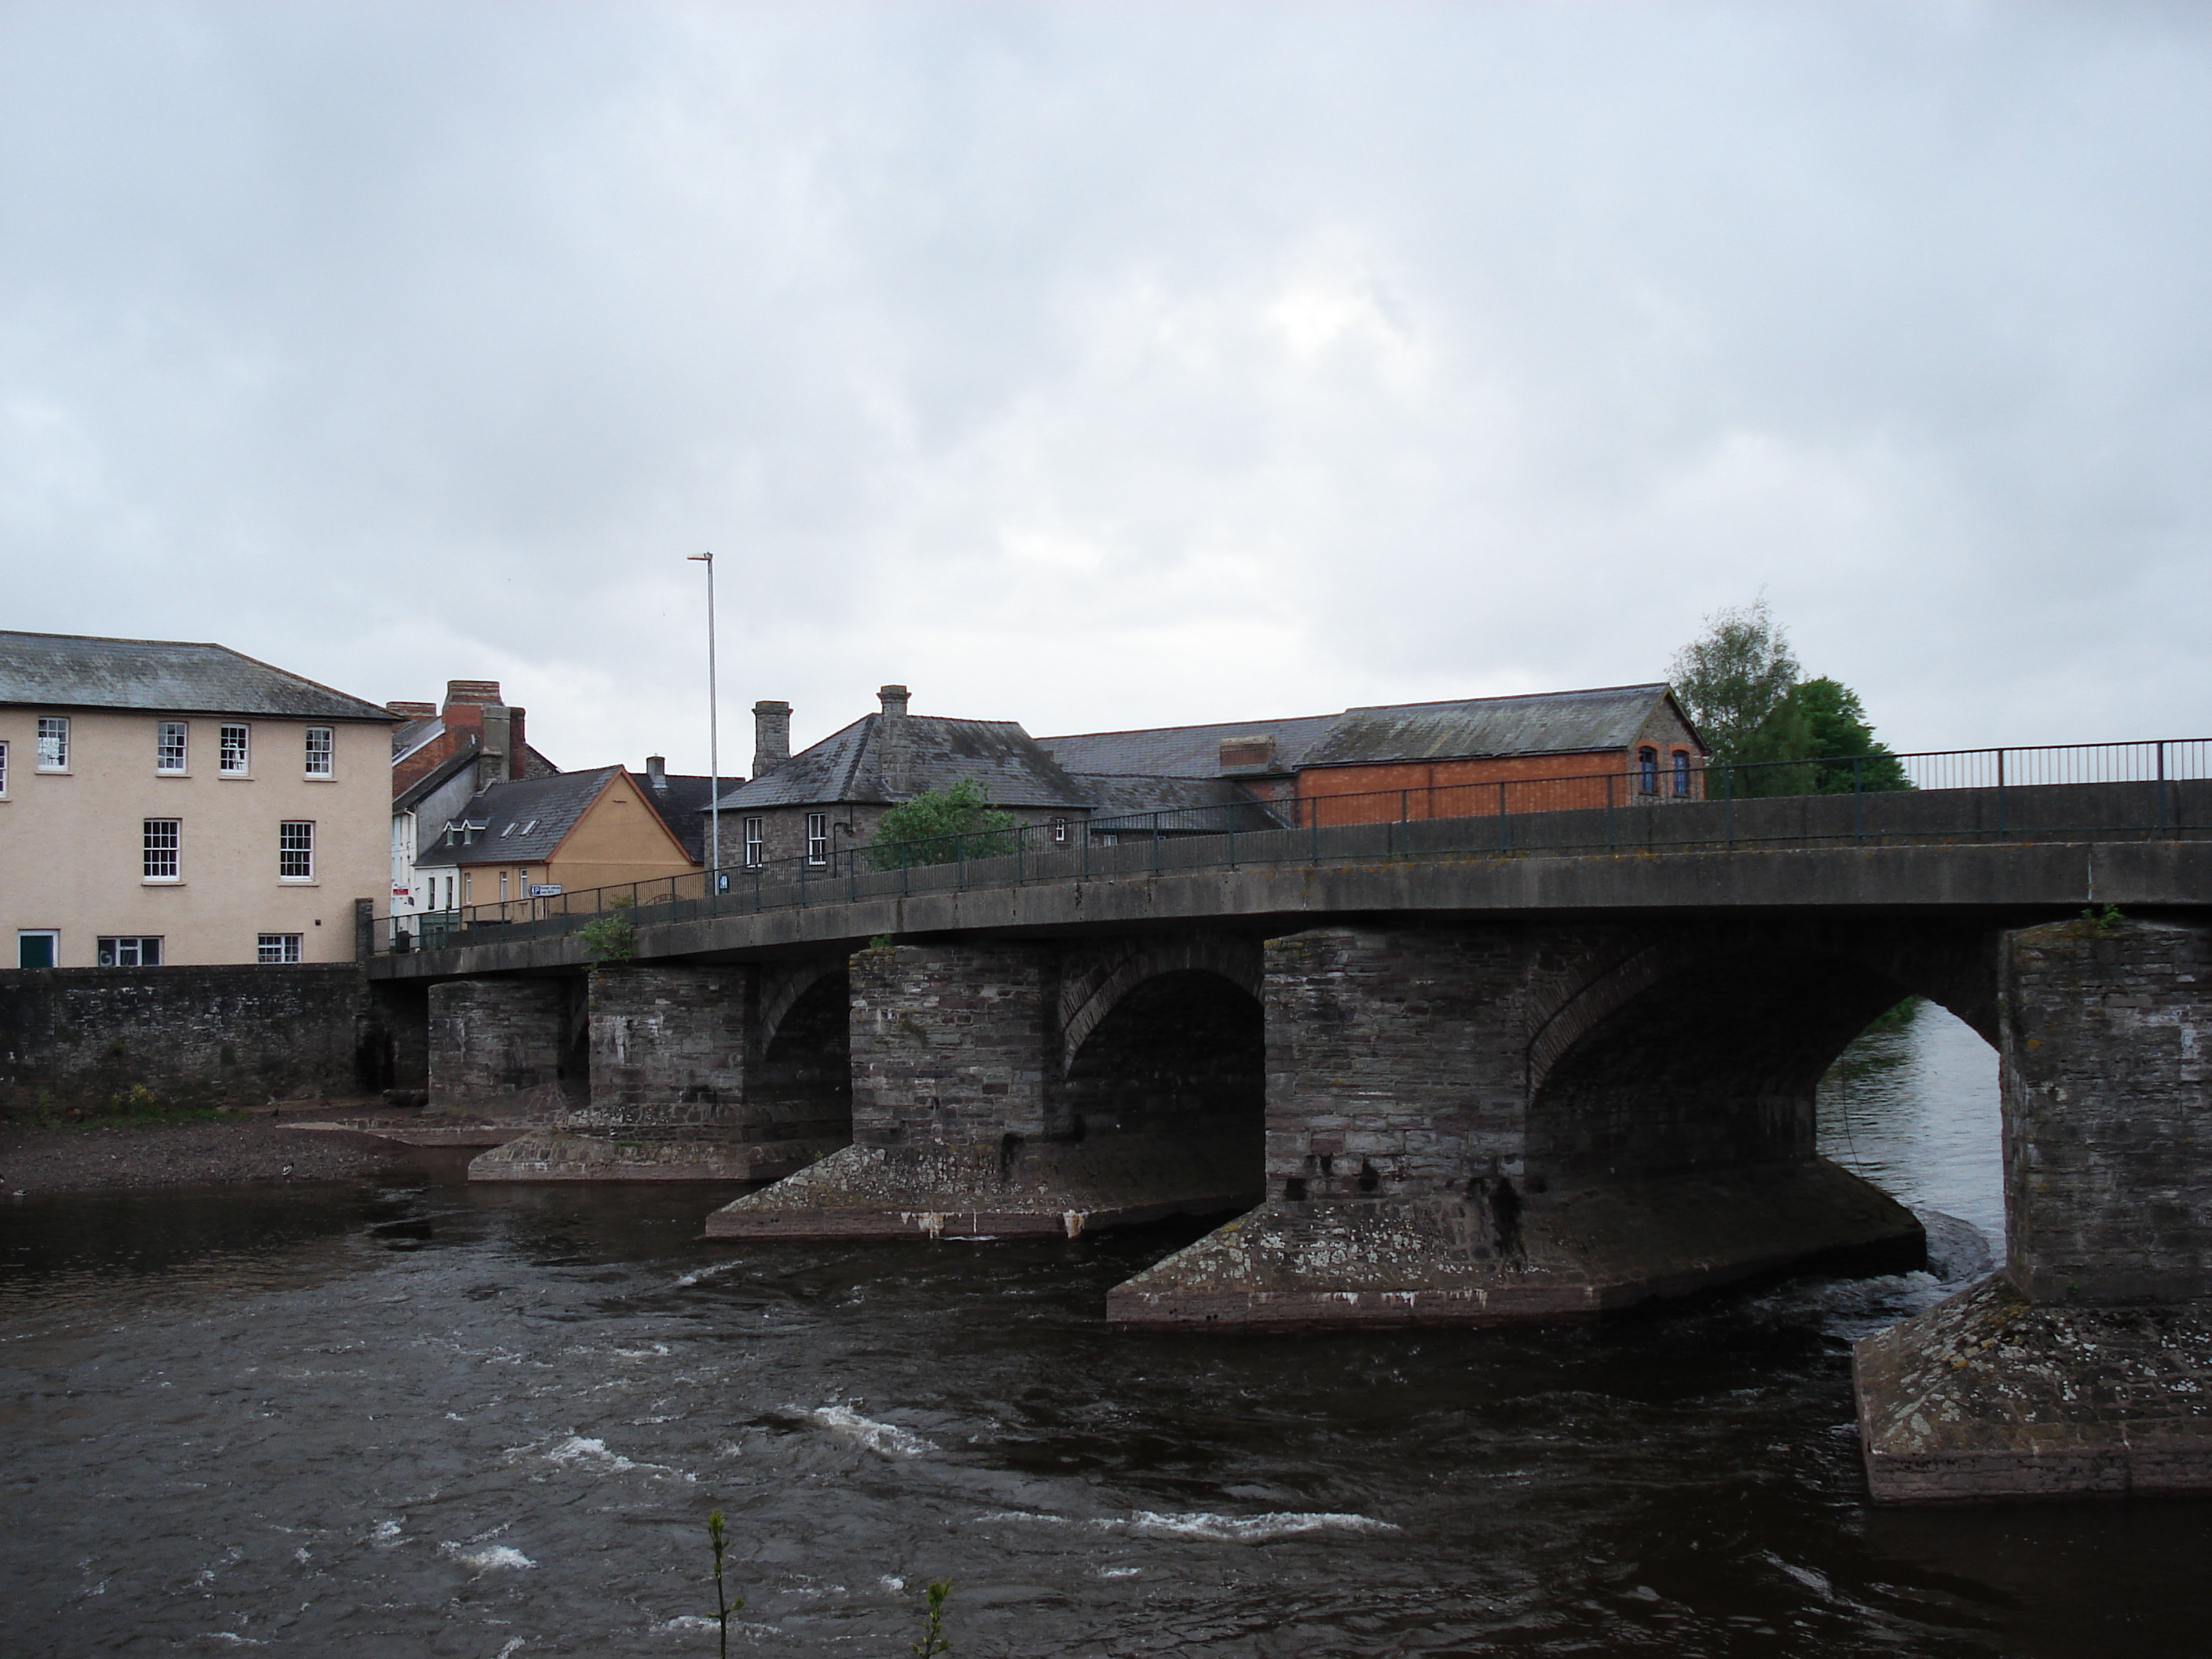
[492,757]
[771,736]
[891,741]
[656,771]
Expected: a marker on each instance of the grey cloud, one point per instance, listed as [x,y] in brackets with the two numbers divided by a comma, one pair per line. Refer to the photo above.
[1103,365]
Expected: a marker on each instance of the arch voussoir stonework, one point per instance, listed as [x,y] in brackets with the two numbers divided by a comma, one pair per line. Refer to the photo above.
[1092,979]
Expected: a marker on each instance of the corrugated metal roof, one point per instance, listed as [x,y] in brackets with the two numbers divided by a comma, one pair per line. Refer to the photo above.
[524,819]
[1547,723]
[74,671]
[1183,751]
[849,767]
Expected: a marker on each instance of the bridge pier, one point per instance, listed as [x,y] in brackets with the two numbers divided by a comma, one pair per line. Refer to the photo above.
[2085,1367]
[672,1055]
[961,1122]
[1416,1177]
[501,1046]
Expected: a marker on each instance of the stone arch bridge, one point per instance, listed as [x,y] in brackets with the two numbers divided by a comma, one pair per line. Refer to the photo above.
[1448,1090]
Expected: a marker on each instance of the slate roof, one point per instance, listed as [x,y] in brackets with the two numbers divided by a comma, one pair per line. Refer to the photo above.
[847,766]
[436,777]
[76,670]
[1183,751]
[683,807]
[1202,800]
[525,819]
[1547,723]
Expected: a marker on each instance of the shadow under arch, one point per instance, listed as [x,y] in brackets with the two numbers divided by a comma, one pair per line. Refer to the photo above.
[1180,1059]
[1715,1061]
[801,1086]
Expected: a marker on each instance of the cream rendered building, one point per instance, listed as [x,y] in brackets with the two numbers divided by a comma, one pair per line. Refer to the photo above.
[163,803]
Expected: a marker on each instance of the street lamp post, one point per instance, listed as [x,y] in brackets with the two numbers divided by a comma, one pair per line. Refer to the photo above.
[714,738]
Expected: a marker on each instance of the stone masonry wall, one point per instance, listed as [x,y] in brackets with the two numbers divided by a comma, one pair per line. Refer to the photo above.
[667,1045]
[1395,1062]
[2107,1070]
[951,1044]
[493,1040]
[239,1035]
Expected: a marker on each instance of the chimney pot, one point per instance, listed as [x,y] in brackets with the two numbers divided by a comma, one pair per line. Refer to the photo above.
[771,736]
[895,701]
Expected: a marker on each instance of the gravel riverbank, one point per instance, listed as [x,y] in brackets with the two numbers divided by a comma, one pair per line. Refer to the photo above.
[195,1154]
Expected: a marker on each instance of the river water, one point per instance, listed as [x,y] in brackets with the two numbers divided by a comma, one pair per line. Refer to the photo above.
[421,1418]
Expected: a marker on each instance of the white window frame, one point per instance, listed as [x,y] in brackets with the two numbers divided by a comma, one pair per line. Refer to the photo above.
[53,742]
[271,950]
[236,751]
[1060,832]
[756,844]
[155,841]
[326,751]
[818,838]
[111,948]
[172,748]
[54,934]
[295,849]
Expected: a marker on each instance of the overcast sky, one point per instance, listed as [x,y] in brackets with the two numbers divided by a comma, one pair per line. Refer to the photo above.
[1116,364]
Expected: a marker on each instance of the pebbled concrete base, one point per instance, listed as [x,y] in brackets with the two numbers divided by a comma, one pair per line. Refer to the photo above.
[646,1153]
[1990,1397]
[1057,1189]
[1445,1261]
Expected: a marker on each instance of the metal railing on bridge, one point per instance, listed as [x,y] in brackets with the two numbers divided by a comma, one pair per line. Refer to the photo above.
[2146,790]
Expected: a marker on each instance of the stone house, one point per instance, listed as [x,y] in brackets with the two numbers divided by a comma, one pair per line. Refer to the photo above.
[167,803]
[811,807]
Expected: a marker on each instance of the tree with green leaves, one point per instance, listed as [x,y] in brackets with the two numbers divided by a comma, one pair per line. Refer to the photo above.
[1733,676]
[939,825]
[1770,732]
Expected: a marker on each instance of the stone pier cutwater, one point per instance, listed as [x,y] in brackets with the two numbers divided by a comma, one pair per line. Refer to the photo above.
[1478,1125]
[692,1073]
[968,1119]
[2085,1366]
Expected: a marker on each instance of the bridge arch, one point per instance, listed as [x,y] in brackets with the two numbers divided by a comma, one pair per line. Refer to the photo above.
[1705,1049]
[1178,1056]
[1092,982]
[801,1085]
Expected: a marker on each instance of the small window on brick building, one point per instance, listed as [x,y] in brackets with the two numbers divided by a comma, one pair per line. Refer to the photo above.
[756,849]
[818,838]
[1682,773]
[1647,770]
[1060,832]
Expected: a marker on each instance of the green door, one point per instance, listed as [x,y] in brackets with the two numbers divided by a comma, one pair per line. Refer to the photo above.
[34,950]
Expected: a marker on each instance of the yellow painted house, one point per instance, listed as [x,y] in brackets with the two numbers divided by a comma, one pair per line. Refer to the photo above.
[533,837]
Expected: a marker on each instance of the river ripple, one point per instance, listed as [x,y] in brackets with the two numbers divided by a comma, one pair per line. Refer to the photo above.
[436,1420]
